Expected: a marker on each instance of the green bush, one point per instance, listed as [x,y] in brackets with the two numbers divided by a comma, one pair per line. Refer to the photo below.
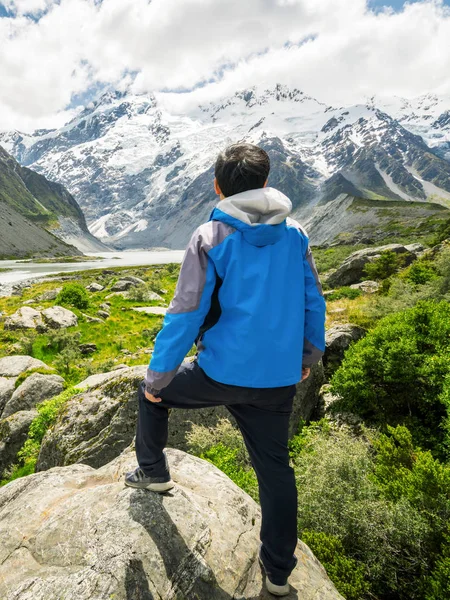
[420,272]
[384,500]
[348,575]
[395,375]
[386,265]
[344,292]
[438,584]
[443,232]
[73,294]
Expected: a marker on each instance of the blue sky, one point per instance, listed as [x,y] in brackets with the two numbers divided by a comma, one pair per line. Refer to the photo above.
[395,4]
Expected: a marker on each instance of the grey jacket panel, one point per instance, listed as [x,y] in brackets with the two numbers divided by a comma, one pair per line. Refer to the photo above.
[311,354]
[155,381]
[191,281]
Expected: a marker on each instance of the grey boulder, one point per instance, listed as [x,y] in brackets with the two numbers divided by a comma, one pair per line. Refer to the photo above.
[337,340]
[368,286]
[95,425]
[24,318]
[352,269]
[95,287]
[7,387]
[77,533]
[49,295]
[34,389]
[13,366]
[57,317]
[13,433]
[122,285]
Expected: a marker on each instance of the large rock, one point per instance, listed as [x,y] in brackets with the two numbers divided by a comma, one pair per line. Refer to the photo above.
[352,269]
[49,295]
[95,287]
[337,340]
[13,433]
[7,387]
[34,389]
[97,424]
[122,285]
[13,366]
[79,534]
[24,318]
[57,317]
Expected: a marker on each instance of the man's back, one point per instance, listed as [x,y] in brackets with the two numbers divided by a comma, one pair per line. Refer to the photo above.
[255,263]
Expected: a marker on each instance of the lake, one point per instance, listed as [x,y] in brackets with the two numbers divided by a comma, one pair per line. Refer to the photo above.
[21,271]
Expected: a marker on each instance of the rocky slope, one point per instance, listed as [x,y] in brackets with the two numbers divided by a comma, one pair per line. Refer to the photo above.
[142,173]
[37,216]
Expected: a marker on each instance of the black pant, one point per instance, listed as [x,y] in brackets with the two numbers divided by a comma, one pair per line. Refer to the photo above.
[262,415]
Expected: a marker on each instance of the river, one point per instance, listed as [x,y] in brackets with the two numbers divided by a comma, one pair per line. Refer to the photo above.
[21,271]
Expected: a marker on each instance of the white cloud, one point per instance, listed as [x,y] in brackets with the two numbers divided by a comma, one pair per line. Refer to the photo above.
[338,50]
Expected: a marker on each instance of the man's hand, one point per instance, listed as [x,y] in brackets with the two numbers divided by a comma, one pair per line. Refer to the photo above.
[305,373]
[151,398]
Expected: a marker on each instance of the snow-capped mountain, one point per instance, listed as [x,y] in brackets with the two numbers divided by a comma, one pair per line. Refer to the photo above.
[143,174]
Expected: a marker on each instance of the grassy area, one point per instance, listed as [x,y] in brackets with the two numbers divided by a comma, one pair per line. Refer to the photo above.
[126,337]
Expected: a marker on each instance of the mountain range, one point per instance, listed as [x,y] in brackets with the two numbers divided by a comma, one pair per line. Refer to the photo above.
[143,173]
[39,217]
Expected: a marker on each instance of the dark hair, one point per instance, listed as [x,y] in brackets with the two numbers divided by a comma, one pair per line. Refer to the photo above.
[241,167]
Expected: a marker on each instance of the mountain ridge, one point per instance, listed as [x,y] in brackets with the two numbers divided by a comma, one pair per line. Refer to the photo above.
[143,174]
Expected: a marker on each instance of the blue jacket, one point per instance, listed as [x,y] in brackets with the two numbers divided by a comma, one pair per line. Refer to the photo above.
[249,294]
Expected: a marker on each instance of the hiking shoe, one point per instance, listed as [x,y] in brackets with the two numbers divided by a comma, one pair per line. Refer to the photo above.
[280,588]
[138,479]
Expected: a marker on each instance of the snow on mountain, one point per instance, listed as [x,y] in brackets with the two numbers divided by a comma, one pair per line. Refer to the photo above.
[143,174]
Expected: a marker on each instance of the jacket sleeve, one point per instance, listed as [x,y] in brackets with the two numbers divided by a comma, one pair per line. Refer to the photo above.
[314,334]
[184,316]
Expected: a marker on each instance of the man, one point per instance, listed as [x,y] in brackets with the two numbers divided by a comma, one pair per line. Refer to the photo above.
[249,295]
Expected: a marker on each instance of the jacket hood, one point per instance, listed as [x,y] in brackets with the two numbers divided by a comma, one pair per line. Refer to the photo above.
[260,215]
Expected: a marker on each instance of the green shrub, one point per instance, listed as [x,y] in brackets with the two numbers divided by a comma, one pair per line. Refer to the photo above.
[348,575]
[384,500]
[344,292]
[438,584]
[385,265]
[420,272]
[73,294]
[395,375]
[48,412]
[443,232]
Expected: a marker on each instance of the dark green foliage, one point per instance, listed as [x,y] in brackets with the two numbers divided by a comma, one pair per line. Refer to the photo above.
[438,584]
[395,375]
[73,294]
[420,272]
[386,265]
[379,502]
[348,574]
[344,292]
[443,232]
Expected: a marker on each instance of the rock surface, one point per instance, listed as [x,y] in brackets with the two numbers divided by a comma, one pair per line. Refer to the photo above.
[352,269]
[95,287]
[97,425]
[122,285]
[7,387]
[13,366]
[49,295]
[34,389]
[58,317]
[79,534]
[24,318]
[368,286]
[13,433]
[337,340]
[151,310]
